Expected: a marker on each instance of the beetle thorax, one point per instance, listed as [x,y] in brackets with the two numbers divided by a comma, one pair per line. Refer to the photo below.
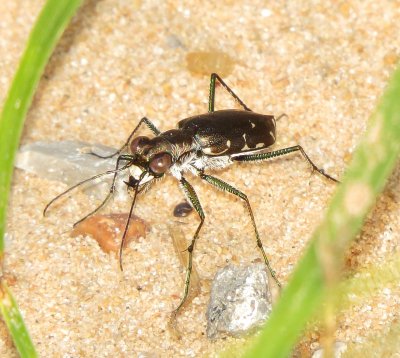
[181,142]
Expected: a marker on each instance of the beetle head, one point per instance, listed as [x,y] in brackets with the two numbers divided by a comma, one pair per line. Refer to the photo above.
[152,156]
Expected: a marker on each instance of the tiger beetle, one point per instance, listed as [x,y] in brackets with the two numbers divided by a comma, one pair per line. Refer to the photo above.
[213,140]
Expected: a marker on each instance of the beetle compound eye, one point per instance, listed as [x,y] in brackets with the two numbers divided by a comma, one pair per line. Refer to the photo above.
[160,163]
[139,144]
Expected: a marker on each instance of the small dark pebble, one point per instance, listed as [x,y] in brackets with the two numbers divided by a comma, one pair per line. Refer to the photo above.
[183,209]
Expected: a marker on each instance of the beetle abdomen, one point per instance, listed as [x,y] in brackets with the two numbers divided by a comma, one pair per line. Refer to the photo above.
[231,131]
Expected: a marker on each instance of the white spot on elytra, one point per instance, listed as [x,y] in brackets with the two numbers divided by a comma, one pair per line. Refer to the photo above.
[228,143]
[252,125]
[272,134]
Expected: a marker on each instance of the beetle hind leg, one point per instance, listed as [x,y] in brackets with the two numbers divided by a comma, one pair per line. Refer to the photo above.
[280,152]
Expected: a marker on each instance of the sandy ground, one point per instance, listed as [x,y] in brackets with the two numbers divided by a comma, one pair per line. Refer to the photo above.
[323,63]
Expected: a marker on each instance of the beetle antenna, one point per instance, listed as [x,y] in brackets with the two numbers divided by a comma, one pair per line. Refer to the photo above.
[121,246]
[83,182]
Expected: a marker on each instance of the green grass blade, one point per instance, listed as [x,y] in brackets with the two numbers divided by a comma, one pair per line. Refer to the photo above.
[366,176]
[15,323]
[48,28]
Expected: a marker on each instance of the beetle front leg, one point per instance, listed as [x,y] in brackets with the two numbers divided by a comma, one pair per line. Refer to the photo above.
[220,184]
[211,97]
[194,200]
[144,120]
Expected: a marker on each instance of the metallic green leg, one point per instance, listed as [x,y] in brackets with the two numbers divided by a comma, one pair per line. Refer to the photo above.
[194,200]
[278,153]
[220,184]
[211,98]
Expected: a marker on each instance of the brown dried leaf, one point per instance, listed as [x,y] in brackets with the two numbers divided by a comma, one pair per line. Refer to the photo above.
[107,230]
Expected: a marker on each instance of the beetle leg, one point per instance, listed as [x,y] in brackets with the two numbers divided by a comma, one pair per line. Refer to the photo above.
[220,184]
[144,120]
[211,97]
[194,200]
[278,153]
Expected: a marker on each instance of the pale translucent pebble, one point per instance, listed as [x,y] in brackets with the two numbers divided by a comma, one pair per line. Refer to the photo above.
[71,162]
[240,300]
